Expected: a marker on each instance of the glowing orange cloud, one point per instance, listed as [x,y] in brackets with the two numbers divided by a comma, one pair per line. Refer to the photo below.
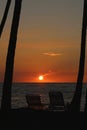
[52,54]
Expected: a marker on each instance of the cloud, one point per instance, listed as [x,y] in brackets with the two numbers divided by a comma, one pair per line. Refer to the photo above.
[52,54]
[49,72]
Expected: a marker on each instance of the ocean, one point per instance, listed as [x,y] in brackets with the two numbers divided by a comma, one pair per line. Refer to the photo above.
[19,91]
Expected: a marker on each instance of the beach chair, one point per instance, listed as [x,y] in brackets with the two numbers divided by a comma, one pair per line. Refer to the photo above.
[34,101]
[56,101]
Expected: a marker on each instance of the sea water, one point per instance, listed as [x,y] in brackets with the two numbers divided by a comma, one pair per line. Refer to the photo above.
[19,91]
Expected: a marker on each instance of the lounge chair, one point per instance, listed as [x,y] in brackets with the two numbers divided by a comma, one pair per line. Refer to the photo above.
[56,101]
[34,101]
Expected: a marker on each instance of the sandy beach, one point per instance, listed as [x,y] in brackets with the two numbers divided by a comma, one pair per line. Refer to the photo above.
[26,119]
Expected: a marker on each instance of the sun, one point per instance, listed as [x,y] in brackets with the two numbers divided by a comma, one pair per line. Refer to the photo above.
[40,77]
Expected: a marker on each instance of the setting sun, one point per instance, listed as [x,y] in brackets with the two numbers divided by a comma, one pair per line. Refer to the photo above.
[40,77]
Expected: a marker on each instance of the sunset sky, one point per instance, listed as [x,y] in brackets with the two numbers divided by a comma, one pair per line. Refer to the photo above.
[48,42]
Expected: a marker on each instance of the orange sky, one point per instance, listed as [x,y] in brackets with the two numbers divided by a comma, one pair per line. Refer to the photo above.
[48,41]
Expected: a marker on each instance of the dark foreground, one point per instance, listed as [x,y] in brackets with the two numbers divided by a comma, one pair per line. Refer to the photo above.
[18,119]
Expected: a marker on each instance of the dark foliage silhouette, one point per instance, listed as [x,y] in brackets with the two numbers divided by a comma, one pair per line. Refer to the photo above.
[6,96]
[75,104]
[5,16]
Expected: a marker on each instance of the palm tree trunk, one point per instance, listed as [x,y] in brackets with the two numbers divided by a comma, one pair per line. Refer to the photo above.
[75,104]
[5,16]
[86,102]
[6,97]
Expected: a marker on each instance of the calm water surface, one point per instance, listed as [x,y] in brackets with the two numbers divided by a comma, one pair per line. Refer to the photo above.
[19,90]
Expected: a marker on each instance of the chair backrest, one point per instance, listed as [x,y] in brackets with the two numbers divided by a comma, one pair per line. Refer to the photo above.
[33,99]
[56,99]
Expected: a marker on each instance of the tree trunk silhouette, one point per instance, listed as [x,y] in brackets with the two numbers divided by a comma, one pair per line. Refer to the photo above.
[75,104]
[6,95]
[5,16]
[86,102]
